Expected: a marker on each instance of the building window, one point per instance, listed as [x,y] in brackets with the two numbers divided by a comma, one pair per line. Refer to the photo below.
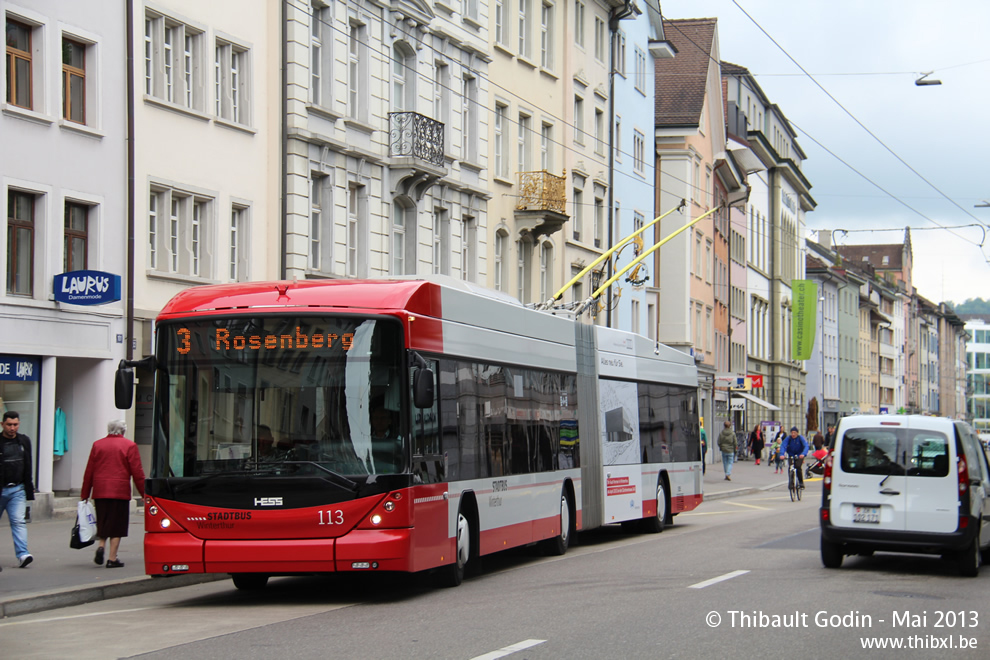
[546,271]
[75,238]
[403,78]
[20,243]
[321,55]
[469,118]
[599,132]
[620,53]
[599,39]
[546,36]
[172,62]
[355,213]
[401,242]
[468,239]
[470,9]
[238,261]
[500,26]
[599,221]
[640,79]
[357,67]
[525,165]
[441,241]
[500,240]
[501,142]
[231,69]
[639,151]
[316,220]
[579,22]
[180,227]
[577,213]
[524,28]
[579,120]
[617,139]
[546,147]
[19,65]
[634,310]
[73,81]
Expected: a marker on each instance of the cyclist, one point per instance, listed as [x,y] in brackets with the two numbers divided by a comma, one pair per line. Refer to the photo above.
[794,446]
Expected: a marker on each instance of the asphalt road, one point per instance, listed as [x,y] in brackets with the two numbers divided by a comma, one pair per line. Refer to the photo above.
[749,564]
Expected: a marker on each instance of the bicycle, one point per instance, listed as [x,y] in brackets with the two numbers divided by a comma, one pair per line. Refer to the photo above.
[793,469]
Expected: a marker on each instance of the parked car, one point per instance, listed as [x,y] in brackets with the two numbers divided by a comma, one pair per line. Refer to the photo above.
[906,483]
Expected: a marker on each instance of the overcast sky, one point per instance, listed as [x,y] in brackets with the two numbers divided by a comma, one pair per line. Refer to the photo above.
[939,131]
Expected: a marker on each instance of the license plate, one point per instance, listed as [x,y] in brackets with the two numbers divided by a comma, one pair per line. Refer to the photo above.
[866,514]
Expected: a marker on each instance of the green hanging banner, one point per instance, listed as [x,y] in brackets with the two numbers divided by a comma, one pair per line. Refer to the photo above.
[805,312]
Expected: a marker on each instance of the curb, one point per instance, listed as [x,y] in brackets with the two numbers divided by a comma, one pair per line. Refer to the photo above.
[739,492]
[55,599]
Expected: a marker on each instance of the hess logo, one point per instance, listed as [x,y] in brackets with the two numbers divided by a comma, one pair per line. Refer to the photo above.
[268,501]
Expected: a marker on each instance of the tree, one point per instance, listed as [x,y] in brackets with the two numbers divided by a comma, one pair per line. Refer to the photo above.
[812,417]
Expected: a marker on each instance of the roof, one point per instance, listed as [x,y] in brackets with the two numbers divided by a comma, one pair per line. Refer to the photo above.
[681,81]
[874,255]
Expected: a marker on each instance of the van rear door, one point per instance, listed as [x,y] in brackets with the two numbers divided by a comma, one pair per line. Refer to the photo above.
[932,498]
[869,488]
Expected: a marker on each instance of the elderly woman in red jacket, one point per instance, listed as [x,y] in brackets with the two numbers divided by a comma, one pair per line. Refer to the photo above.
[113,462]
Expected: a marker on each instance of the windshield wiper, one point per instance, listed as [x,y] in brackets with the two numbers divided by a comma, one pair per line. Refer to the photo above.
[259,471]
[341,479]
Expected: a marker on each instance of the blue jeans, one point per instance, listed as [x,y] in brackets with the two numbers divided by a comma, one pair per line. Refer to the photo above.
[728,458]
[14,502]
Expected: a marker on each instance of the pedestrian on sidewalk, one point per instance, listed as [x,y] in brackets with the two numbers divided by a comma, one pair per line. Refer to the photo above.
[113,462]
[756,443]
[728,445]
[18,487]
[704,448]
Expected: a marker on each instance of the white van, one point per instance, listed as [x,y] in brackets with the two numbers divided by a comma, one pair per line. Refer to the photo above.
[906,483]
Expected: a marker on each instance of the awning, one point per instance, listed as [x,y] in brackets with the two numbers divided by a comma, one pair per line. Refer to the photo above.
[757,400]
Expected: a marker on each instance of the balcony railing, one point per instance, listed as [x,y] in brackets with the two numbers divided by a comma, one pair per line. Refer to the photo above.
[413,135]
[542,191]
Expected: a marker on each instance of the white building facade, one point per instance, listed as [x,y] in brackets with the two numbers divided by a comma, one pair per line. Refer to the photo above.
[62,181]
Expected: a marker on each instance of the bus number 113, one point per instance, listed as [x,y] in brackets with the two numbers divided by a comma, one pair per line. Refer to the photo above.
[334,517]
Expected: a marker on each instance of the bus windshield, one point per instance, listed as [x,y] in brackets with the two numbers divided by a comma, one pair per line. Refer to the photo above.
[281,395]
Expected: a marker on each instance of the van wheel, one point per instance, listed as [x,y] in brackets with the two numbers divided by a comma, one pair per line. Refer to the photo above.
[453,574]
[831,554]
[969,559]
[249,581]
[558,545]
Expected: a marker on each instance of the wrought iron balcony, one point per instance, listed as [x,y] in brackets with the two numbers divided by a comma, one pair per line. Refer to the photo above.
[412,135]
[542,191]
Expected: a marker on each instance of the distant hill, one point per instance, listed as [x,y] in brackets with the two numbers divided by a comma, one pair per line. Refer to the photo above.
[971,306]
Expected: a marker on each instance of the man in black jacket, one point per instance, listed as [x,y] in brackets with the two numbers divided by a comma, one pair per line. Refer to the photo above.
[15,478]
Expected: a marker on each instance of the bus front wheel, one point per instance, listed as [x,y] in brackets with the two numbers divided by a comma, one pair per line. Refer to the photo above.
[453,574]
[558,545]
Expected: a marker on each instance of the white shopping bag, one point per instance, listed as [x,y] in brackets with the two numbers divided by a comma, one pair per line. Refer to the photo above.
[87,520]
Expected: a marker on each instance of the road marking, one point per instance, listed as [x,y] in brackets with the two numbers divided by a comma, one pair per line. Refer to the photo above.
[509,650]
[716,580]
[76,616]
[749,506]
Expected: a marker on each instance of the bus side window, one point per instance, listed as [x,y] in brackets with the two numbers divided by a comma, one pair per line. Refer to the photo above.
[425,428]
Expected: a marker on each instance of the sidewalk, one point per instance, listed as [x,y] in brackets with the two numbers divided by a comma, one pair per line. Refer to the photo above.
[747,478]
[60,576]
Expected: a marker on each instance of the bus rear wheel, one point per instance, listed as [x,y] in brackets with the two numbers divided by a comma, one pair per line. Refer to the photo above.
[558,545]
[249,581]
[655,524]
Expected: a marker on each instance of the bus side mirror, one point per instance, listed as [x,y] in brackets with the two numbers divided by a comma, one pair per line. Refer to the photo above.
[423,388]
[123,386]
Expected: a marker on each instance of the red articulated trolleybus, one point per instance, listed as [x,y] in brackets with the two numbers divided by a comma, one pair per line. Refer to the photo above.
[400,425]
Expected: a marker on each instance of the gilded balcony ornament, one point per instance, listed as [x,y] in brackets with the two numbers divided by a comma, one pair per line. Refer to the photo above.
[542,191]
